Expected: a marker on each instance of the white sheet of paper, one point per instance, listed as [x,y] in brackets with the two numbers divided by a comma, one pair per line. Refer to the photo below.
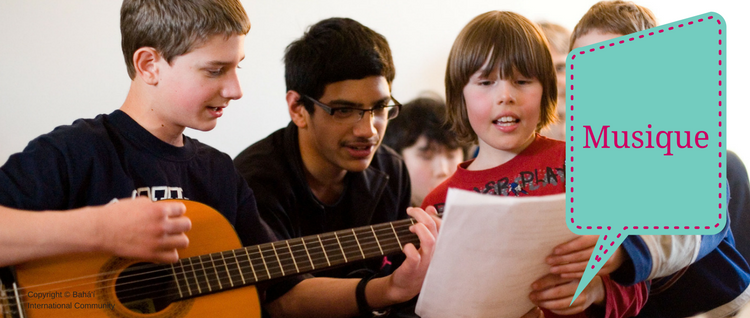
[488,252]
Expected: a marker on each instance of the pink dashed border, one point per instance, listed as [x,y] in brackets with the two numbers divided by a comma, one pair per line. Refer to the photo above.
[582,52]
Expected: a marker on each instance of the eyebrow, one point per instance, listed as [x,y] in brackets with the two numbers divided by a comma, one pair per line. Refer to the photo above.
[346,103]
[222,63]
[426,148]
[432,145]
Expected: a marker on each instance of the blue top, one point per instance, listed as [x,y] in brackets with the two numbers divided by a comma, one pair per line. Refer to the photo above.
[691,274]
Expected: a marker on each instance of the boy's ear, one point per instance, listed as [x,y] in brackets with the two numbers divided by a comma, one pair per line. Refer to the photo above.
[297,110]
[145,62]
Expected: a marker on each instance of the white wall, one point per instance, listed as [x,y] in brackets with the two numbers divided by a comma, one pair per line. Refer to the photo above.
[61,60]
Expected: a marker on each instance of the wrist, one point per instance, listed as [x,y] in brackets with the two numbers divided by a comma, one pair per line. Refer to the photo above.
[600,294]
[363,305]
[380,293]
[97,230]
[395,294]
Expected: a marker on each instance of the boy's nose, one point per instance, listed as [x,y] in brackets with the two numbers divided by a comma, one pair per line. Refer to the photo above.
[505,93]
[441,166]
[366,127]
[232,88]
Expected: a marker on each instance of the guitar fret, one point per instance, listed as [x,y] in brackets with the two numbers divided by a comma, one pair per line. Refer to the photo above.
[218,279]
[235,271]
[369,245]
[358,245]
[226,267]
[194,275]
[317,252]
[376,240]
[177,281]
[278,260]
[340,247]
[396,235]
[187,283]
[238,266]
[308,253]
[283,258]
[250,261]
[322,247]
[388,241]
[408,236]
[292,255]
[264,262]
[205,275]
[350,244]
[4,300]
[301,255]
[201,274]
[18,300]
[259,265]
[273,259]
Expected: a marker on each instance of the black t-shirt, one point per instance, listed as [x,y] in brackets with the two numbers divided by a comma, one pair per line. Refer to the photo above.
[94,161]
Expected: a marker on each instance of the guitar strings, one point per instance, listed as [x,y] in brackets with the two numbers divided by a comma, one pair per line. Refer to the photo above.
[283,254]
[200,266]
[175,294]
[398,226]
[139,296]
[209,278]
[286,256]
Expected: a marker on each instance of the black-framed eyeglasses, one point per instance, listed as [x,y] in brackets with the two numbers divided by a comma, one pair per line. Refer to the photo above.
[353,114]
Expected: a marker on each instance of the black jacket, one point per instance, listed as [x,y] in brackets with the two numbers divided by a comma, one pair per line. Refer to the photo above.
[273,169]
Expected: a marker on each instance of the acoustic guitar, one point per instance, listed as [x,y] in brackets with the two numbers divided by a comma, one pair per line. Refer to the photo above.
[213,278]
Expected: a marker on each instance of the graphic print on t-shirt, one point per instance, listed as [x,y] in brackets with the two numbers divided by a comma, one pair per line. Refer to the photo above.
[524,183]
[159,193]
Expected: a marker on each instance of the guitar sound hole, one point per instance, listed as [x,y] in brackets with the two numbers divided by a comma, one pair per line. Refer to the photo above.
[145,288]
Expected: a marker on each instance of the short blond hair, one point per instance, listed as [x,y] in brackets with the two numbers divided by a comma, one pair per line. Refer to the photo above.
[618,17]
[508,42]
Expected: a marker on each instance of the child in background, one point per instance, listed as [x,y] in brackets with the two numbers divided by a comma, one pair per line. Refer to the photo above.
[690,274]
[501,91]
[558,38]
[431,152]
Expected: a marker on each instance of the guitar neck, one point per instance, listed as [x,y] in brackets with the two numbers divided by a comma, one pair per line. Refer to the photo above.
[10,306]
[214,272]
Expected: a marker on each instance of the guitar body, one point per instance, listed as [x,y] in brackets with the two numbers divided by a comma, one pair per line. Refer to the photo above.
[83,285]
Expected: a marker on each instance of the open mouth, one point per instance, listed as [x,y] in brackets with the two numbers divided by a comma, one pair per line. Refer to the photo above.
[360,148]
[506,121]
[359,151]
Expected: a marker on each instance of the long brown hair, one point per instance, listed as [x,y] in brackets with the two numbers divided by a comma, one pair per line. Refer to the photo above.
[508,42]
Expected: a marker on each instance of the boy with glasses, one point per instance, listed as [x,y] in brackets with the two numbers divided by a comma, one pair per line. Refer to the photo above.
[326,170]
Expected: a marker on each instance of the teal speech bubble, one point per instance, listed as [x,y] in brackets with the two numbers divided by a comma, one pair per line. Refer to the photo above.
[647,135]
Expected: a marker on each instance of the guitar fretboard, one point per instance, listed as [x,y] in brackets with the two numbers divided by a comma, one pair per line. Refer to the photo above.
[210,273]
[9,301]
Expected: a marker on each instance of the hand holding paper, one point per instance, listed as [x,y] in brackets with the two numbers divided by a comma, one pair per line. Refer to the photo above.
[556,293]
[489,251]
[570,258]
